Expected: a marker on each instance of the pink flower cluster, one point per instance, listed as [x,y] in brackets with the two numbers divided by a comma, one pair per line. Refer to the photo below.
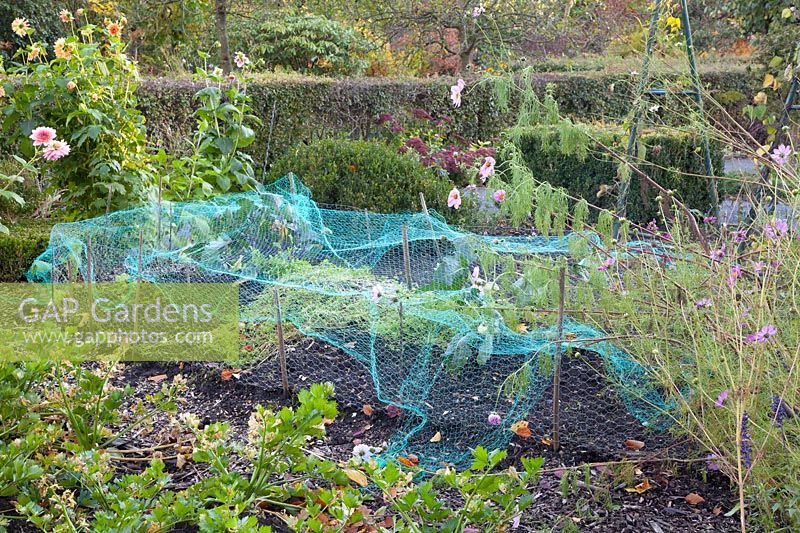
[53,149]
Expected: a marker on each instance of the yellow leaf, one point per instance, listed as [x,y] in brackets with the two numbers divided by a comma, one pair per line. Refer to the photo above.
[356,476]
[769,79]
[786,13]
[644,486]
[522,327]
[411,461]
[437,437]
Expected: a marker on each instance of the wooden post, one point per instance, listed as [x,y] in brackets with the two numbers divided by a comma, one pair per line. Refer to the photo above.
[88,279]
[562,274]
[406,257]
[139,262]
[69,269]
[281,345]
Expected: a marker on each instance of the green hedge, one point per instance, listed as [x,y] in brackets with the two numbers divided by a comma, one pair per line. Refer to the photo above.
[667,151]
[364,174]
[308,109]
[26,241]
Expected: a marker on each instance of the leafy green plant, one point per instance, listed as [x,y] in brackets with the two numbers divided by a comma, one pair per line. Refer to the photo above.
[87,94]
[224,126]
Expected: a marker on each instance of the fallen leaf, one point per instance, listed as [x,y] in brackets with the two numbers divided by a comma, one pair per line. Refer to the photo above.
[522,327]
[644,486]
[367,409]
[634,444]
[716,510]
[392,411]
[693,498]
[180,461]
[547,441]
[157,378]
[357,476]
[411,461]
[226,374]
[437,437]
[521,429]
[769,79]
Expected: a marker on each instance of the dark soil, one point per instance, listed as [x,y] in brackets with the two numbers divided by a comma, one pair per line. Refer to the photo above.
[594,427]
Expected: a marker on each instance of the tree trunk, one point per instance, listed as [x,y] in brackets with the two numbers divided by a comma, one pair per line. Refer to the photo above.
[221,12]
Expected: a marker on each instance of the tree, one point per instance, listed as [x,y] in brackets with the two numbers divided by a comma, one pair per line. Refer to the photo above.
[221,16]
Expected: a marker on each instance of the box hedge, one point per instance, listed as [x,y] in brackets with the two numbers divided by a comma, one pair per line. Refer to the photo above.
[308,109]
[364,174]
[28,239]
[670,156]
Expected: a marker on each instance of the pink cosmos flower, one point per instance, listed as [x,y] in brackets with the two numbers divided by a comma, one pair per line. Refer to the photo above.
[709,220]
[762,335]
[721,398]
[740,235]
[776,229]
[42,136]
[736,271]
[759,266]
[781,154]
[454,199]
[55,150]
[477,11]
[499,195]
[718,254]
[703,302]
[493,419]
[455,92]
[487,168]
[608,263]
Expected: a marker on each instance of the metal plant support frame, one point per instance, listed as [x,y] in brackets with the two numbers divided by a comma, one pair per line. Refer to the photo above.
[695,92]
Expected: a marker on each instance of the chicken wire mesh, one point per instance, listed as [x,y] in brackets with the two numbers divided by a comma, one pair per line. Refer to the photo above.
[441,321]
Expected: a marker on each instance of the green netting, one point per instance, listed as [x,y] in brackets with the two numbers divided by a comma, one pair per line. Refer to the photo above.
[435,350]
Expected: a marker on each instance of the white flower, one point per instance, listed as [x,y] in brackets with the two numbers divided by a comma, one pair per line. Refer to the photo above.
[365,452]
[482,329]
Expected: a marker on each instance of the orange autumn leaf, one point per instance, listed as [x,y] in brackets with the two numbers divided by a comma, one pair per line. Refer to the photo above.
[367,409]
[634,444]
[693,498]
[547,441]
[410,461]
[644,486]
[521,429]
[157,378]
[226,374]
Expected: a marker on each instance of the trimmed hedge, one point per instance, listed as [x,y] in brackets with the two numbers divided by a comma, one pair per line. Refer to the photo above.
[18,250]
[666,151]
[364,174]
[308,109]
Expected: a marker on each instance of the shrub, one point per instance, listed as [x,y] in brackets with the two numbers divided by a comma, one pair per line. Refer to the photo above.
[669,153]
[310,44]
[18,250]
[364,174]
